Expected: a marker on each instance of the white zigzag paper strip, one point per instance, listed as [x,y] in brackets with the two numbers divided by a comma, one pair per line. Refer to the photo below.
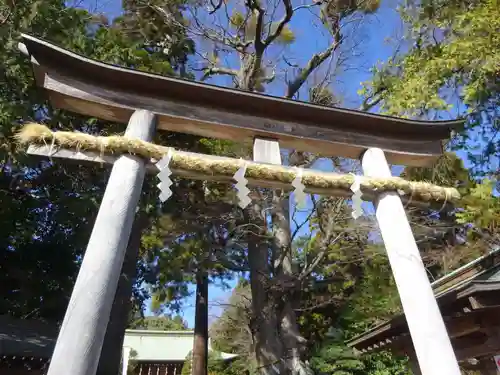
[241,186]
[299,191]
[165,160]
[357,210]
[164,176]
[165,192]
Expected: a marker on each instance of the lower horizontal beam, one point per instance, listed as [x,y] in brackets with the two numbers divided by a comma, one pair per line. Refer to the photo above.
[93,157]
[210,167]
[215,168]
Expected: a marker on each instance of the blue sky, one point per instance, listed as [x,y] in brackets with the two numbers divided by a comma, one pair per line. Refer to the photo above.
[309,40]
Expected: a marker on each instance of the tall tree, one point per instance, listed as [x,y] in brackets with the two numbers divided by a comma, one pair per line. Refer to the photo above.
[154,31]
[200,342]
[451,68]
[353,289]
[445,239]
[54,204]
[231,332]
[328,265]
[46,214]
[243,40]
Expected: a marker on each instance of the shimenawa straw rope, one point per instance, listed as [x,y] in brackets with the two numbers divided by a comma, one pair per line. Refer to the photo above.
[37,134]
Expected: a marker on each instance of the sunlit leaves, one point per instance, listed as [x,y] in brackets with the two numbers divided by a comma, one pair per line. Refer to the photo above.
[370,6]
[161,27]
[336,359]
[469,53]
[215,366]
[286,35]
[451,70]
[482,208]
[323,96]
[448,170]
[246,25]
[57,203]
[237,19]
[160,323]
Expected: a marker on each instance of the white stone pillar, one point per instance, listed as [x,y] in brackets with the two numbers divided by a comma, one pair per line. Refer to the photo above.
[81,337]
[431,341]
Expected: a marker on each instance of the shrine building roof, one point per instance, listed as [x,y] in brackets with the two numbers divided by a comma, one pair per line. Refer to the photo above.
[469,301]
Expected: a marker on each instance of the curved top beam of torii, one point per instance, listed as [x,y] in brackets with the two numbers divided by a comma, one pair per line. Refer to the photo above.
[109,92]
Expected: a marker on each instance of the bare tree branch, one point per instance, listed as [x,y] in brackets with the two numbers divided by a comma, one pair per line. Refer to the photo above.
[301,225]
[215,7]
[327,235]
[229,264]
[5,18]
[289,63]
[270,78]
[252,64]
[203,31]
[370,101]
[314,62]
[307,6]
[317,260]
[286,18]
[259,12]
[210,71]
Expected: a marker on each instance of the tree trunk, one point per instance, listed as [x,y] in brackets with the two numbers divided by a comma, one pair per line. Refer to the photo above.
[111,353]
[293,342]
[200,344]
[264,324]
[275,330]
[278,342]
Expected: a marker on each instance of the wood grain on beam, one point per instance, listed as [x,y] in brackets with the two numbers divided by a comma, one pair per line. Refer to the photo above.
[90,99]
[53,57]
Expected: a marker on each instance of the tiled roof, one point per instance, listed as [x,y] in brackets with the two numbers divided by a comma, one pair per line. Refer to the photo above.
[31,338]
[481,274]
[27,338]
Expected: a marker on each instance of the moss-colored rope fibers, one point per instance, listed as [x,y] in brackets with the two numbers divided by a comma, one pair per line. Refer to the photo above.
[208,165]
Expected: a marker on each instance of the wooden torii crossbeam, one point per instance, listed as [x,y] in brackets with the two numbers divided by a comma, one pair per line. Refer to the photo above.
[113,93]
[147,101]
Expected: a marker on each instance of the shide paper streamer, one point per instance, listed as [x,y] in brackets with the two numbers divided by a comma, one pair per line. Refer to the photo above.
[300,195]
[241,186]
[164,176]
[357,210]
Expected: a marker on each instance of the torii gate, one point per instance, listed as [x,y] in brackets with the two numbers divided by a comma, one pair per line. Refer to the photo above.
[147,101]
